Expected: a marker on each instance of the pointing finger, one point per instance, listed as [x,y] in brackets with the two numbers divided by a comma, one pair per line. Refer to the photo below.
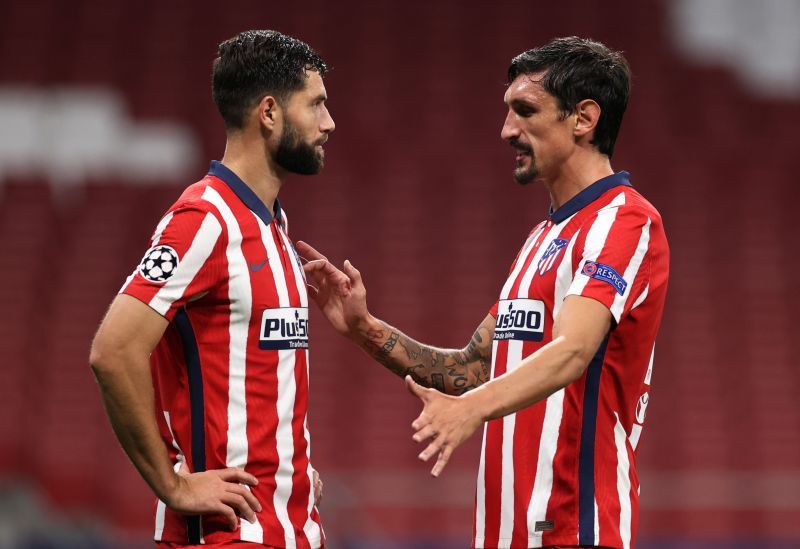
[307,251]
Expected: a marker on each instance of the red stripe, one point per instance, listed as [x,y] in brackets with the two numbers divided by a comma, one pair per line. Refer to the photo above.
[493,462]
[301,487]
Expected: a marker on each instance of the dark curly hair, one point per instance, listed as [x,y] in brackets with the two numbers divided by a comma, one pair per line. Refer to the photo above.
[257,63]
[578,69]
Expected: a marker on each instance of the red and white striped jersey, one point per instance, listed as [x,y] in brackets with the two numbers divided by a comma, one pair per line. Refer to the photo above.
[231,372]
[563,471]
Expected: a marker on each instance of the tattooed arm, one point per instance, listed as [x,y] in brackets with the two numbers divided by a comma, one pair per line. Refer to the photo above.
[342,298]
[451,371]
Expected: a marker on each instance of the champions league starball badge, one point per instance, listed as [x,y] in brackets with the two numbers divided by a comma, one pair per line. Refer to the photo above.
[159,264]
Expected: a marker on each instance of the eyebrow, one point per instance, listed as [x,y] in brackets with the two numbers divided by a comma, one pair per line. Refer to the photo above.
[520,103]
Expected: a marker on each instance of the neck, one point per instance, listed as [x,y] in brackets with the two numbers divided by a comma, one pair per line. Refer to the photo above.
[247,159]
[576,174]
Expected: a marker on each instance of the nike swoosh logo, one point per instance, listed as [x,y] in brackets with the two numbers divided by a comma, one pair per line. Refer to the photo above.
[255,267]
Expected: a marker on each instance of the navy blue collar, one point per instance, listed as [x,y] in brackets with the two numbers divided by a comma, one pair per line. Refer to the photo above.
[245,193]
[589,195]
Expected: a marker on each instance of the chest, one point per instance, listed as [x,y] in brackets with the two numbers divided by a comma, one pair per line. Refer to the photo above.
[267,287]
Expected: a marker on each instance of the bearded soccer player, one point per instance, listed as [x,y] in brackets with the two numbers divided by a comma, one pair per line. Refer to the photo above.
[210,331]
[561,365]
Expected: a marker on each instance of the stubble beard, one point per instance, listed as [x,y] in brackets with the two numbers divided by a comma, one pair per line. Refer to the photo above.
[523,175]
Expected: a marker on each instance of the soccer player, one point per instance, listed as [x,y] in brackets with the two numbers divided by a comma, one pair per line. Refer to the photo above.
[210,331]
[561,366]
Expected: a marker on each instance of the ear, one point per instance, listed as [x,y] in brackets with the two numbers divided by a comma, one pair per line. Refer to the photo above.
[587,115]
[268,112]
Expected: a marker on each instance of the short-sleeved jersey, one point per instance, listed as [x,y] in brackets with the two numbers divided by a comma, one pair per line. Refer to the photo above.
[231,371]
[563,471]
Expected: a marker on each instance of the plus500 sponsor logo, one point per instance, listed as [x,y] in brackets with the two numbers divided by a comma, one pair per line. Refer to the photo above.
[520,319]
[285,328]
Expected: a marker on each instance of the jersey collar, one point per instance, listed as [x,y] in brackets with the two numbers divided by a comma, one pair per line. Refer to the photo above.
[589,195]
[245,193]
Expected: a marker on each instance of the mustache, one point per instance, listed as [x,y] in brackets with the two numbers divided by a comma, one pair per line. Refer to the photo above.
[517,144]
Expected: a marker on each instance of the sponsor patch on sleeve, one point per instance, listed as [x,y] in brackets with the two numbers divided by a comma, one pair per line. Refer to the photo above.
[599,271]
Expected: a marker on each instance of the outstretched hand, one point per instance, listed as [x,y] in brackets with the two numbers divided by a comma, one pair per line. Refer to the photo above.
[216,492]
[340,294]
[448,420]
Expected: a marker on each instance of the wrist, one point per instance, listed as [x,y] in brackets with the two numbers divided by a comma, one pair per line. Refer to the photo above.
[367,329]
[169,489]
[481,402]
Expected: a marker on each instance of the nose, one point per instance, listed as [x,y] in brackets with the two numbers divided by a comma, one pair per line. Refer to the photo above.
[510,129]
[327,125]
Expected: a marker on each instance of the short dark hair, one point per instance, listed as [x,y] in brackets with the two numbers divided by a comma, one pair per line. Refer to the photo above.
[578,69]
[257,63]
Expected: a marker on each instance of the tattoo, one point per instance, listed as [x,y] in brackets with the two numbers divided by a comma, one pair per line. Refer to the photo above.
[437,381]
[447,370]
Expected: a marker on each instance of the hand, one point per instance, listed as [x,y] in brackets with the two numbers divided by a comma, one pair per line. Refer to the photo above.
[317,489]
[217,492]
[341,296]
[449,420]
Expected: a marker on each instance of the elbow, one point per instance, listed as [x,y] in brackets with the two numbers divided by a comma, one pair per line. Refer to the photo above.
[100,357]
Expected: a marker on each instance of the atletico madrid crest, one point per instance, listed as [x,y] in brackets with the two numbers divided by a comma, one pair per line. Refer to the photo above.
[551,254]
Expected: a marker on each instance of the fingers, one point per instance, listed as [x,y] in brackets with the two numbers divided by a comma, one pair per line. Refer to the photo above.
[239,504]
[431,450]
[444,457]
[317,489]
[229,514]
[232,474]
[417,390]
[424,434]
[352,272]
[307,251]
[248,496]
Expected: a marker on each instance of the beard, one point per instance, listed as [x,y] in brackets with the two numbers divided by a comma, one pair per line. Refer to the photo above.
[295,155]
[522,175]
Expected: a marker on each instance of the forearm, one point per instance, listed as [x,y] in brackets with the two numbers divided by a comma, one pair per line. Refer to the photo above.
[127,391]
[549,369]
[450,371]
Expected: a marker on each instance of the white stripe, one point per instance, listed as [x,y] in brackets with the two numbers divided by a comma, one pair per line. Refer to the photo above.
[564,274]
[480,491]
[649,375]
[543,482]
[286,398]
[507,467]
[172,434]
[636,432]
[160,228]
[156,237]
[525,283]
[189,265]
[595,240]
[544,470]
[596,524]
[526,250]
[161,510]
[641,298]
[631,270]
[623,484]
[311,528]
[239,292]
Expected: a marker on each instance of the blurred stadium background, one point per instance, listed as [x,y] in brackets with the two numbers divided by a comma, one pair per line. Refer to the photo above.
[105,113]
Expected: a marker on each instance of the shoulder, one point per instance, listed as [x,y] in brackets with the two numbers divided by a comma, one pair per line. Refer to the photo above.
[201,198]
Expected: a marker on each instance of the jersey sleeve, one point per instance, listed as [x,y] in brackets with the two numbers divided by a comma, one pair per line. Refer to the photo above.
[612,259]
[185,259]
